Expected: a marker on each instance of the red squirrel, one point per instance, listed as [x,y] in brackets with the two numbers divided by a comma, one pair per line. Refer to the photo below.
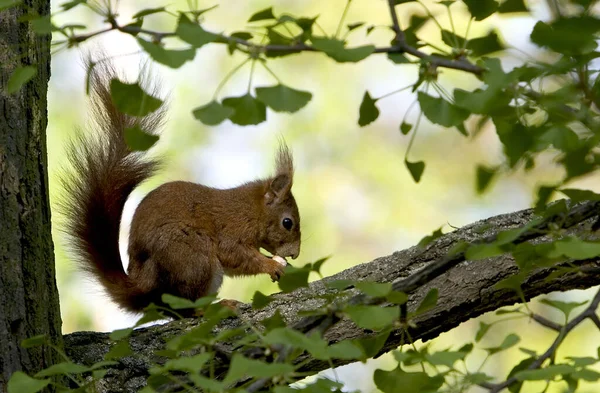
[184,236]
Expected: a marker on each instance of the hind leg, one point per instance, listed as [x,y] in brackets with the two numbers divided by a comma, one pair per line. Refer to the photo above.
[187,266]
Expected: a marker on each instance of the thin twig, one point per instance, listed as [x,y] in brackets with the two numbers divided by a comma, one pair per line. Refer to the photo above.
[546,322]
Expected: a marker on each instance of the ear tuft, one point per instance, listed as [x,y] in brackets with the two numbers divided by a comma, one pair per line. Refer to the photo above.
[284,162]
[281,183]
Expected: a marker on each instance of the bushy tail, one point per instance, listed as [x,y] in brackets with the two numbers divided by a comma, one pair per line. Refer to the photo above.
[104,173]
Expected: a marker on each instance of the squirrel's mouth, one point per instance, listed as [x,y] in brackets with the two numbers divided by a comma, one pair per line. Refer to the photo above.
[271,255]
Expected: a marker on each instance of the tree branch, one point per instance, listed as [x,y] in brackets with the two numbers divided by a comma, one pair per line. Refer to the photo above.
[436,61]
[466,290]
[401,47]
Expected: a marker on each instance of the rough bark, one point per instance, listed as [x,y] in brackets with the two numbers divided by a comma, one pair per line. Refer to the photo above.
[465,291]
[28,296]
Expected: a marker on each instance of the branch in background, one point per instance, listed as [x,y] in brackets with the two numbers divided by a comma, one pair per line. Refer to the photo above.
[466,290]
[400,47]
[589,312]
[435,61]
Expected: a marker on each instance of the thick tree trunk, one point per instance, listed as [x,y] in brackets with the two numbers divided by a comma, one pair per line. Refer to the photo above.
[28,295]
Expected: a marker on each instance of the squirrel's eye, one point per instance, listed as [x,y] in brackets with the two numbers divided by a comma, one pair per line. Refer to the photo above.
[287,223]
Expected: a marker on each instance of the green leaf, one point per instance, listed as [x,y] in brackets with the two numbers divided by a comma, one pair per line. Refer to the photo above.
[247,110]
[148,11]
[138,140]
[416,169]
[570,36]
[398,58]
[397,297]
[314,344]
[273,322]
[374,289]
[206,384]
[440,111]
[523,365]
[564,307]
[543,196]
[582,361]
[445,358]
[483,329]
[6,4]
[512,6]
[62,369]
[340,285]
[345,350]
[120,334]
[405,128]
[19,77]
[481,251]
[514,283]
[336,49]
[372,317]
[428,239]
[282,98]
[168,57]
[191,364]
[130,99]
[259,300]
[572,247]
[151,314]
[482,46]
[484,177]
[134,28]
[213,113]
[193,33]
[399,381]
[493,98]
[517,139]
[477,378]
[102,364]
[118,351]
[35,341]
[428,302]
[20,382]
[41,24]
[481,9]
[178,303]
[368,111]
[453,40]
[586,374]
[371,345]
[580,195]
[262,15]
[547,373]
[242,35]
[99,374]
[316,265]
[561,137]
[294,278]
[509,341]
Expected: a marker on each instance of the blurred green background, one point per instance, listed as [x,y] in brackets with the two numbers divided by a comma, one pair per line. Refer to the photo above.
[356,198]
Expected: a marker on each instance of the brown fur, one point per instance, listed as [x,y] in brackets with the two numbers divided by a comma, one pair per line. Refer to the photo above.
[184,236]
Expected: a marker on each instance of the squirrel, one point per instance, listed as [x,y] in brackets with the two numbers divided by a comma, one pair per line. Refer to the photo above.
[184,236]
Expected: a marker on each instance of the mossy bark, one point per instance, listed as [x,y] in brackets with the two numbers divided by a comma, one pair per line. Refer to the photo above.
[28,295]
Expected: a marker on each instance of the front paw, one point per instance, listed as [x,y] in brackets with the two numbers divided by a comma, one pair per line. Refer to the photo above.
[275,270]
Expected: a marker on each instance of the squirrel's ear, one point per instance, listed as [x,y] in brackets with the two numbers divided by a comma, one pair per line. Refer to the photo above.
[279,186]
